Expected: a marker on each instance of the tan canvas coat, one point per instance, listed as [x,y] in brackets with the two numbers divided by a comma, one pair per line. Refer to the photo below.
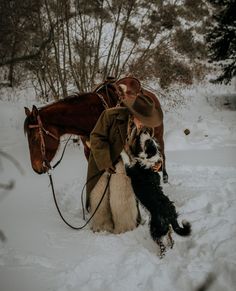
[107,141]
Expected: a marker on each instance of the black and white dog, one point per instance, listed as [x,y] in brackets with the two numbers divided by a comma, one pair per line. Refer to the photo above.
[143,154]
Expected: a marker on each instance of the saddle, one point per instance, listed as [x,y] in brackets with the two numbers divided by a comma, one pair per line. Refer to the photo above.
[128,87]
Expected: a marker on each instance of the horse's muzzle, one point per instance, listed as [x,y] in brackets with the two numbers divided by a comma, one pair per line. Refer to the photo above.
[41,168]
[43,171]
[39,172]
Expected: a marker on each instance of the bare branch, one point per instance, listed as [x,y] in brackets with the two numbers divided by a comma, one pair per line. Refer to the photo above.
[13,160]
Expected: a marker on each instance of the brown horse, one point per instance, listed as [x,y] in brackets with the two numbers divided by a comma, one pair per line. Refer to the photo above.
[75,114]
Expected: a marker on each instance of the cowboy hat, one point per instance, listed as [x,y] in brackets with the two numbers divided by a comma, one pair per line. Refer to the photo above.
[143,108]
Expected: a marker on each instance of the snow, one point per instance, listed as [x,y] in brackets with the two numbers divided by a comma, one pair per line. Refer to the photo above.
[42,253]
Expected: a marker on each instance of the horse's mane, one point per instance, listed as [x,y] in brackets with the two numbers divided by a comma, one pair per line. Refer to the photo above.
[74,98]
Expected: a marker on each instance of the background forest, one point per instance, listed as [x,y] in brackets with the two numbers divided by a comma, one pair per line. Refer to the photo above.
[64,45]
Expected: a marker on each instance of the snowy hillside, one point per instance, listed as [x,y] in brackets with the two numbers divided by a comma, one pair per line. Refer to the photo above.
[42,253]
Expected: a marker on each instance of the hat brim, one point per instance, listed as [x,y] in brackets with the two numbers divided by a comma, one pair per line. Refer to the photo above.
[153,121]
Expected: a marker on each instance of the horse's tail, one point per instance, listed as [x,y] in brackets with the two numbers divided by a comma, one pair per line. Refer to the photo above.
[183,231]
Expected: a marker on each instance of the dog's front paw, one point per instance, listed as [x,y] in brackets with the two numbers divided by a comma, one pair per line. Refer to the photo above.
[165,177]
[162,248]
[125,158]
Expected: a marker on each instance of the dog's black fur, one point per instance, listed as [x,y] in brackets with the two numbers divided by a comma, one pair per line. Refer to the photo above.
[146,185]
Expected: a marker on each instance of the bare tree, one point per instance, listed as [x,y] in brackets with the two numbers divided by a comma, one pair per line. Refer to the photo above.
[80,43]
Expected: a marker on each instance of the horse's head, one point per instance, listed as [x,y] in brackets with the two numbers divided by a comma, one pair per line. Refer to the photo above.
[43,140]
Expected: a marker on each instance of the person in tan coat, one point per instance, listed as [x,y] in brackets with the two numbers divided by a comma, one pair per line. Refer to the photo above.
[118,210]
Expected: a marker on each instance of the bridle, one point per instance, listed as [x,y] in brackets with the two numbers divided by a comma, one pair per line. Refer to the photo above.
[43,131]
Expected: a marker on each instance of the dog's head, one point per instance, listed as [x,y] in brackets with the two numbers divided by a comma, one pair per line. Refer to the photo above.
[144,148]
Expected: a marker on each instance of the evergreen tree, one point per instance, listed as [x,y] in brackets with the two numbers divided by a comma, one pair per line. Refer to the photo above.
[221,38]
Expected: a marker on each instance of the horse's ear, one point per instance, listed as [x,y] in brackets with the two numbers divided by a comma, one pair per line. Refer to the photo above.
[27,111]
[34,111]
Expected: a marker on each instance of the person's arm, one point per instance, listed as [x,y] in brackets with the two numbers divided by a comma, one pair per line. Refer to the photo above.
[99,141]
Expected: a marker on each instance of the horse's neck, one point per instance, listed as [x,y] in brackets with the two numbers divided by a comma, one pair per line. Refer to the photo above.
[66,119]
[110,95]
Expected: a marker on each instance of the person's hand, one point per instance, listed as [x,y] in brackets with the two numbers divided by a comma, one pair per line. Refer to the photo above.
[157,166]
[111,170]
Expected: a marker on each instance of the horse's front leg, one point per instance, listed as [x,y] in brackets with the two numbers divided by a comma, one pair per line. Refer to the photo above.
[85,141]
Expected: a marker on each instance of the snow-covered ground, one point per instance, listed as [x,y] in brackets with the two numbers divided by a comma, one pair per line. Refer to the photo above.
[42,253]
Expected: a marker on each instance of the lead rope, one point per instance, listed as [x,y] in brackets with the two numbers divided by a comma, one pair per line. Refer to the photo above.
[59,211]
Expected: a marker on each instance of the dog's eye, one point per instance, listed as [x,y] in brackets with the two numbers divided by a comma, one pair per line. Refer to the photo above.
[145,131]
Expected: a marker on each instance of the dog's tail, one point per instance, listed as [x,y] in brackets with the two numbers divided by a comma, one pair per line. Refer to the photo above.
[183,231]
